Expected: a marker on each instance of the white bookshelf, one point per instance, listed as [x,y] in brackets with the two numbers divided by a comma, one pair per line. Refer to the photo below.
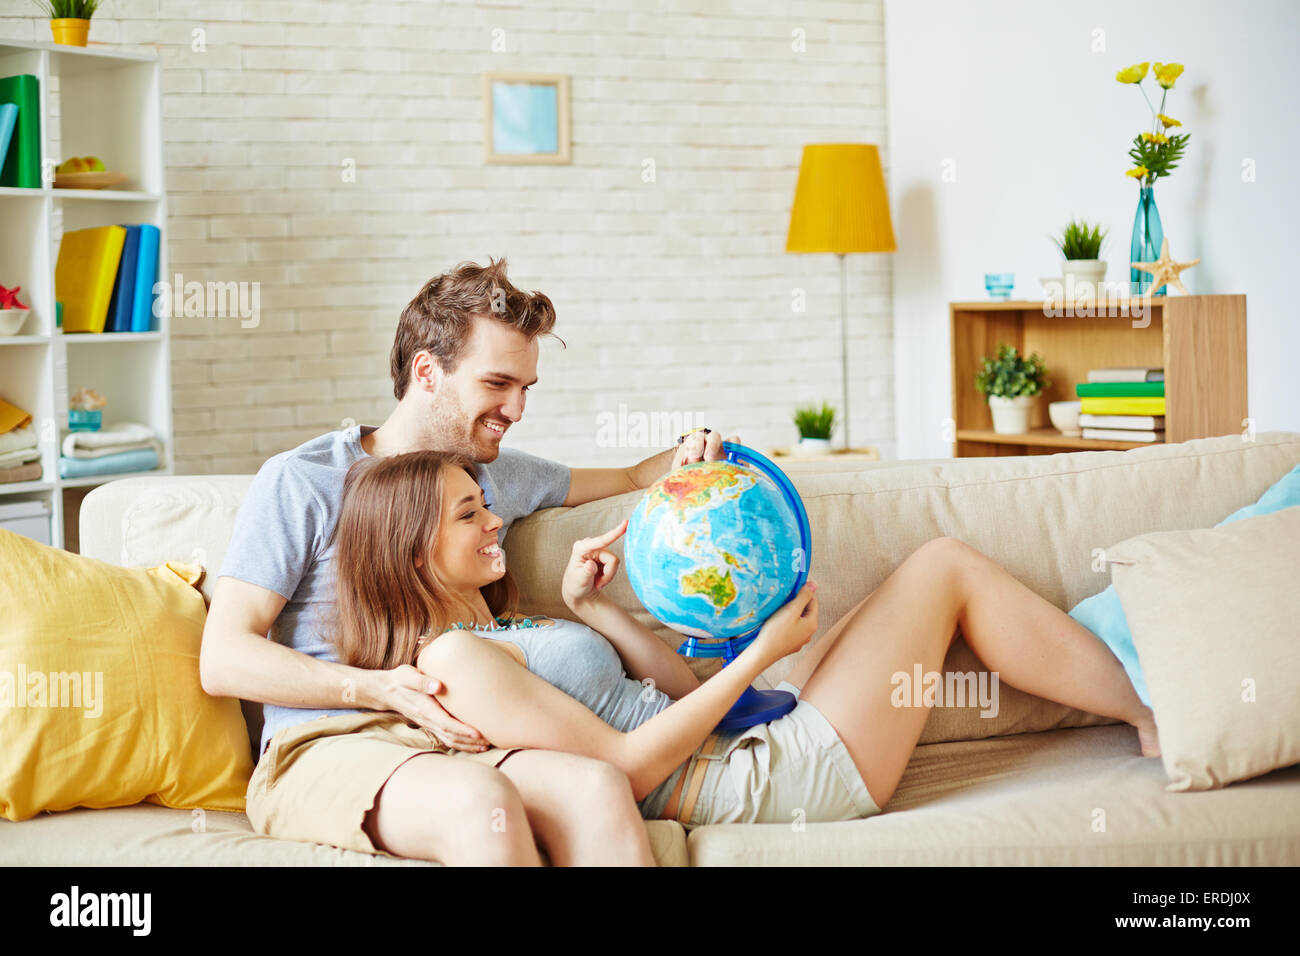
[104,104]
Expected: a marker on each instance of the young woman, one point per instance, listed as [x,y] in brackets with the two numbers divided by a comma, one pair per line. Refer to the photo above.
[431,587]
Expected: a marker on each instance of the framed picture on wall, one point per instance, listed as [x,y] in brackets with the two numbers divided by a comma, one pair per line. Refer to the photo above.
[525,118]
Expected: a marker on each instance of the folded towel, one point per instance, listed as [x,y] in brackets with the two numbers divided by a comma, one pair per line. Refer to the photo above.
[19,439]
[11,417]
[71,451]
[30,472]
[13,459]
[143,460]
[123,433]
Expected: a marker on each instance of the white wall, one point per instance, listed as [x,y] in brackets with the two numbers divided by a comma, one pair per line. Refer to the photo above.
[673,296]
[1038,129]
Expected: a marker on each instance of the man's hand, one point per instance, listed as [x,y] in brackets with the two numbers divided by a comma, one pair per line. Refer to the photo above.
[701,446]
[407,691]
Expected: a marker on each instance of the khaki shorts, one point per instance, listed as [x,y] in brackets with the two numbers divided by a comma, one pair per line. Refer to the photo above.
[792,769]
[317,780]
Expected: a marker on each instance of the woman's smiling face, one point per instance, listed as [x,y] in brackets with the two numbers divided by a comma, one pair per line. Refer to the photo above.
[466,554]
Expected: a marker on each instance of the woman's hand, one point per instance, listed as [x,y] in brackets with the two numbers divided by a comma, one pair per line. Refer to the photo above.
[591,567]
[791,627]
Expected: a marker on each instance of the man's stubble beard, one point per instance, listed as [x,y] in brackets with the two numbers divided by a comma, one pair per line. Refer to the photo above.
[451,430]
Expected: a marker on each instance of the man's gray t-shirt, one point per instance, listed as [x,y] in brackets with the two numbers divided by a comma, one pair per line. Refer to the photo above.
[283,537]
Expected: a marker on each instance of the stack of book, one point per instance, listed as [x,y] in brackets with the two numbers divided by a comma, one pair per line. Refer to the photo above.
[1123,404]
[105,278]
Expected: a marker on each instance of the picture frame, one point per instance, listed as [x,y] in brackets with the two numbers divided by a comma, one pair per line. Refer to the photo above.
[526,118]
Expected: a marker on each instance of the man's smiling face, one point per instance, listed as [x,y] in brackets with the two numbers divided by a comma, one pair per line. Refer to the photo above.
[477,402]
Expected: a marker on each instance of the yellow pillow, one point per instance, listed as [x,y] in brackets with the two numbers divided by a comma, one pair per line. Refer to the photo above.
[100,700]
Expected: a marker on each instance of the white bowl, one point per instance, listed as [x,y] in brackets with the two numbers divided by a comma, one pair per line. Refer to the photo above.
[11,320]
[1065,417]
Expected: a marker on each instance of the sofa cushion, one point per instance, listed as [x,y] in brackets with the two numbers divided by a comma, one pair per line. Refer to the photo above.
[1081,797]
[145,835]
[99,688]
[1213,613]
[1104,615]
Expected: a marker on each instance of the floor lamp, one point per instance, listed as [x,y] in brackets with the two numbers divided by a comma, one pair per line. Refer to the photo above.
[840,206]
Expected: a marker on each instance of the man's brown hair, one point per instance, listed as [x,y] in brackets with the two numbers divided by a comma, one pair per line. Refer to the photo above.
[440,318]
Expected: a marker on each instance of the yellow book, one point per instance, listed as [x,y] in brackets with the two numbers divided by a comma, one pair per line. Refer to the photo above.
[83,278]
[1122,405]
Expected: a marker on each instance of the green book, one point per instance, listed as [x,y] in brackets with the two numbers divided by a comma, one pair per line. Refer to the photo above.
[22,165]
[1120,389]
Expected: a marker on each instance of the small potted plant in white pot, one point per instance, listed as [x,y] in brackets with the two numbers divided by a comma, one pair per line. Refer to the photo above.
[814,426]
[1011,383]
[1081,247]
[69,19]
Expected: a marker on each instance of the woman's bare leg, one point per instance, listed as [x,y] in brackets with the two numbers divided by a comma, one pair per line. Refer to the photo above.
[912,619]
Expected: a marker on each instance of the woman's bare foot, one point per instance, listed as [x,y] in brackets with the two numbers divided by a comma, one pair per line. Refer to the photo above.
[1148,736]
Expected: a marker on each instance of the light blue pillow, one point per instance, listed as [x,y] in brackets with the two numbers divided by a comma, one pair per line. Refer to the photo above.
[1104,615]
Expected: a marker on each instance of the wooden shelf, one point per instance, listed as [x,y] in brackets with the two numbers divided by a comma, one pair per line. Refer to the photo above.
[1047,438]
[1199,340]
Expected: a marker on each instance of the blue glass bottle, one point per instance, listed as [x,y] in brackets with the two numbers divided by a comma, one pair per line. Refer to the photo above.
[1148,236]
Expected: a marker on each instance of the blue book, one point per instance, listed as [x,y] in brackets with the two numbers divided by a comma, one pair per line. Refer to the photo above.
[8,119]
[146,274]
[119,306]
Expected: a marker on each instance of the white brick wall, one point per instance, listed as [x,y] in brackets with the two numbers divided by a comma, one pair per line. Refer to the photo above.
[673,296]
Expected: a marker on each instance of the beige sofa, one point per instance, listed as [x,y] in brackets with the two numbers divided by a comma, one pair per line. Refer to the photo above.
[1022,787]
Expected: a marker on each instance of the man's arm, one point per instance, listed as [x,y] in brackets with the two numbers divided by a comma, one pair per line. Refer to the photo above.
[590,484]
[237,660]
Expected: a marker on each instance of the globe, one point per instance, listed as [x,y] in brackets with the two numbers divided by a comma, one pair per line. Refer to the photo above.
[714,548]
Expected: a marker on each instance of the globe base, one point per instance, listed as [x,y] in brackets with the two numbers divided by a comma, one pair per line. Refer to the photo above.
[757,707]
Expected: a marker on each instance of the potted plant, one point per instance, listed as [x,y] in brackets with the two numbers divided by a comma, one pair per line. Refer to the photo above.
[814,426]
[1081,247]
[69,19]
[1011,382]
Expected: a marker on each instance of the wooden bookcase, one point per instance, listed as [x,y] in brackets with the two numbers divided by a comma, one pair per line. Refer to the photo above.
[1199,340]
[107,104]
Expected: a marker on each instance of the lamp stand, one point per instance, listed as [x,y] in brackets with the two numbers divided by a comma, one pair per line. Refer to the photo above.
[844,346]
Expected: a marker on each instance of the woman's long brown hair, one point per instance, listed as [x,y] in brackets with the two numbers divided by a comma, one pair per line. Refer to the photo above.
[387,608]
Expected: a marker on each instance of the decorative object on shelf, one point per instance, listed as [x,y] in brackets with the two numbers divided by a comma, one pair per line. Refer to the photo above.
[69,19]
[1154,153]
[85,410]
[526,118]
[999,284]
[1165,270]
[12,312]
[841,206]
[1065,417]
[815,426]
[1081,248]
[86,172]
[1011,382]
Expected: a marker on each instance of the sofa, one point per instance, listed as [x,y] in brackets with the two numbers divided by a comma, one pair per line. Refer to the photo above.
[1022,787]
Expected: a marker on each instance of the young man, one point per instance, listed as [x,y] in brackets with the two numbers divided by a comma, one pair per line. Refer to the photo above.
[368,759]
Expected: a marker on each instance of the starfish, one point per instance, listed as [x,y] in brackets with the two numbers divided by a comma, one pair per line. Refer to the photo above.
[1164,270]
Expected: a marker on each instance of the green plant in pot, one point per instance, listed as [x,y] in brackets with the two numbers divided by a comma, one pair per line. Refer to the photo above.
[1011,383]
[69,19]
[1081,244]
[815,425]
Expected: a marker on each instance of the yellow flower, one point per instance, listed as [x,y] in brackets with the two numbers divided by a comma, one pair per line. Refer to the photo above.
[1167,73]
[1167,120]
[1155,137]
[1137,172]
[1132,74]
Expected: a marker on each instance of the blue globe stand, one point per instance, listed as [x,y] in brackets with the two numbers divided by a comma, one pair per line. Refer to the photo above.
[757,706]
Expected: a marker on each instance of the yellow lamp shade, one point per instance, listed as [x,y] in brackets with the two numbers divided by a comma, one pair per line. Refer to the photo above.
[840,204]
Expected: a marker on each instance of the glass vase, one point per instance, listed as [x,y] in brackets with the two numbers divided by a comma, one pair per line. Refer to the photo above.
[1148,236]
